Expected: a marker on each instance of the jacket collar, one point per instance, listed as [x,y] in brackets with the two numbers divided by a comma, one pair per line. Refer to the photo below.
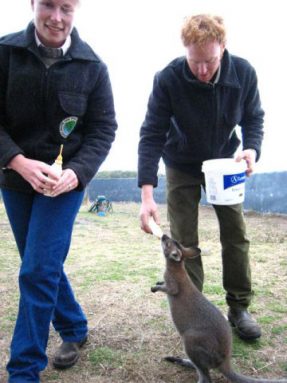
[26,39]
[228,76]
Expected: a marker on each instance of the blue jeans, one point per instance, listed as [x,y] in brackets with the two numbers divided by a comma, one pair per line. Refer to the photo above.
[42,228]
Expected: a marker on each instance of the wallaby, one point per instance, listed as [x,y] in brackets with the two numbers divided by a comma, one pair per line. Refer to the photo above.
[205,333]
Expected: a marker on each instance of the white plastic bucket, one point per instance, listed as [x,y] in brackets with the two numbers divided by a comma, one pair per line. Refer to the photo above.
[225,181]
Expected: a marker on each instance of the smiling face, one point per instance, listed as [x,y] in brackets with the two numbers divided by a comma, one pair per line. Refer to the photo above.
[54,20]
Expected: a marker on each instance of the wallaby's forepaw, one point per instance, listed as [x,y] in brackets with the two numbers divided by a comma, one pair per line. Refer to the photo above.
[155,288]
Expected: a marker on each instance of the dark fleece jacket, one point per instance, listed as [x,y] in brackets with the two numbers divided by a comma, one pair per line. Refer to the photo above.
[188,122]
[37,104]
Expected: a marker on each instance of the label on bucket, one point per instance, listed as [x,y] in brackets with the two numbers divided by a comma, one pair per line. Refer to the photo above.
[232,180]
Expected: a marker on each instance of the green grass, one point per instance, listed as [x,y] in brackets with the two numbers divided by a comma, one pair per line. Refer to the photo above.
[280,330]
[105,356]
[264,320]
[277,307]
[112,265]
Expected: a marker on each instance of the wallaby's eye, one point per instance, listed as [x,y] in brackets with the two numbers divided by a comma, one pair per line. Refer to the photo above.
[177,245]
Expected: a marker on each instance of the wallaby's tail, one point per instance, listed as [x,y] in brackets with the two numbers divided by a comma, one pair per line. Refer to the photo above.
[238,378]
[179,361]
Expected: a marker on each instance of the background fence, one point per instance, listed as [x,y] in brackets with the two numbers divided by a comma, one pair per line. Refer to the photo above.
[265,192]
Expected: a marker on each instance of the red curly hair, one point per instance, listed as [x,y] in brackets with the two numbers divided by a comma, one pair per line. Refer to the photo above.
[203,28]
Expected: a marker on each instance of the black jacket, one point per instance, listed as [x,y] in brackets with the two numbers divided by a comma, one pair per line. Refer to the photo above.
[40,106]
[188,122]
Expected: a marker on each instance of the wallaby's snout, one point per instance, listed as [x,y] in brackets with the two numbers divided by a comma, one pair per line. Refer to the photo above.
[175,251]
[171,249]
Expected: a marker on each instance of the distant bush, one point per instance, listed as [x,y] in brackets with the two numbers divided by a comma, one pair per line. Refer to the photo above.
[116,174]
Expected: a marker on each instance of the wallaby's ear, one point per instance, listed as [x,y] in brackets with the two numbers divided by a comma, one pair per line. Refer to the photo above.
[190,252]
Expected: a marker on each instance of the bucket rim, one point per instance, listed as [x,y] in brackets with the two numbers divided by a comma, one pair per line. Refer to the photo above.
[224,164]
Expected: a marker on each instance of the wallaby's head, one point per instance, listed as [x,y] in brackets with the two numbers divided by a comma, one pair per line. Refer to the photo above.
[175,252]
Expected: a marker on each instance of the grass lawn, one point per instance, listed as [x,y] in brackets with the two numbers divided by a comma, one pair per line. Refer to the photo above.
[112,265]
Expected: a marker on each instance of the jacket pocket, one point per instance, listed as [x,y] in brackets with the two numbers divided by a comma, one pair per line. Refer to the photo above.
[73,104]
[232,117]
[176,136]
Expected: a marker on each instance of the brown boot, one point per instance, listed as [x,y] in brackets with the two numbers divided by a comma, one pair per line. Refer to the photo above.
[245,326]
[68,354]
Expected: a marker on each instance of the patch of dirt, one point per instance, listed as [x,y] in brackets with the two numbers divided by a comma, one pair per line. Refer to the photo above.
[133,325]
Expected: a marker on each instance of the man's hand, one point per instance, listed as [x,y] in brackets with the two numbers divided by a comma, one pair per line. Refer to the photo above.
[148,209]
[249,155]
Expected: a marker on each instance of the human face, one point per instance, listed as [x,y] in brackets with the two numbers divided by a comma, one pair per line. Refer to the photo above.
[53,20]
[204,60]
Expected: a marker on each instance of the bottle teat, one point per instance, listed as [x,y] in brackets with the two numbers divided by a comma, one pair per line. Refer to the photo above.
[59,159]
[57,168]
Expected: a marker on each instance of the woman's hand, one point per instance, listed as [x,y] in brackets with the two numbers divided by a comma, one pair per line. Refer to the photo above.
[67,182]
[39,175]
[42,177]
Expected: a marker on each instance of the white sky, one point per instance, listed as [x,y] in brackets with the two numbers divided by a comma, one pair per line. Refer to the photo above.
[136,38]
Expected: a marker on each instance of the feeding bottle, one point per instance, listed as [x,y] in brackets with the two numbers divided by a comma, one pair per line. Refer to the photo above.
[57,166]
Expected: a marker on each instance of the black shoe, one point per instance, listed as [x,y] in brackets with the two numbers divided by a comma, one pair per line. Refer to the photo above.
[245,326]
[68,354]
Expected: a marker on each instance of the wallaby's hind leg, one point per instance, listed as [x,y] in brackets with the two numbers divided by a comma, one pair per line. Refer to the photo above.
[180,361]
[199,358]
[203,374]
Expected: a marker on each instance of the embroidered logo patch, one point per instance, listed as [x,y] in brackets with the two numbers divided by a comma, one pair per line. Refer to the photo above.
[67,126]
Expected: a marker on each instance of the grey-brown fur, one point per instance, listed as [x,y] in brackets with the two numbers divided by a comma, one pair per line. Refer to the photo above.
[205,333]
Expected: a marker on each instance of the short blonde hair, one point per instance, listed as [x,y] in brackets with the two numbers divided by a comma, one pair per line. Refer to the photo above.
[200,29]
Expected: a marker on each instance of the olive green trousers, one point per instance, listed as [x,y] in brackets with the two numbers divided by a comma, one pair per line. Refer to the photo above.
[183,197]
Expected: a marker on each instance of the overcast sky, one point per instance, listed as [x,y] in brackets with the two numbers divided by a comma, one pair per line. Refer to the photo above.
[136,38]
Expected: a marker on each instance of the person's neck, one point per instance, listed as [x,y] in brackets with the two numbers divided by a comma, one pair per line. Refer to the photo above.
[64,47]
